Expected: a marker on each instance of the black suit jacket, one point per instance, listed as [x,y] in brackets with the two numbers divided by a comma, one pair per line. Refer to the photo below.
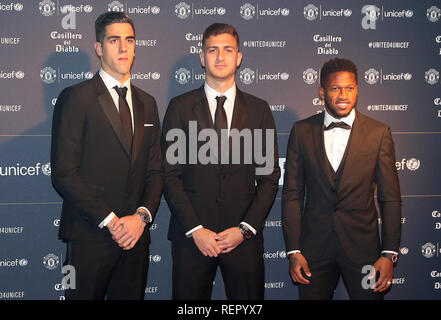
[217,197]
[92,168]
[346,205]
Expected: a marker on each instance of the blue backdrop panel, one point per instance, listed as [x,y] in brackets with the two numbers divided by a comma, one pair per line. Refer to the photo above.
[395,44]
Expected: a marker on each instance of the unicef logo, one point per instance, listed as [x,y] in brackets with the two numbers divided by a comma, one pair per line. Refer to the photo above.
[182,76]
[347,12]
[18,6]
[156,75]
[407,76]
[19,74]
[309,76]
[88,8]
[51,261]
[284,76]
[23,262]
[433,14]
[432,76]
[428,250]
[404,251]
[156,9]
[413,164]
[247,76]
[48,75]
[115,6]
[371,76]
[47,8]
[88,75]
[46,169]
[310,12]
[156,258]
[409,14]
[221,11]
[182,10]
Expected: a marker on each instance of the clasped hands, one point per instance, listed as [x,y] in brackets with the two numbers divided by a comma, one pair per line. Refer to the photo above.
[212,244]
[127,230]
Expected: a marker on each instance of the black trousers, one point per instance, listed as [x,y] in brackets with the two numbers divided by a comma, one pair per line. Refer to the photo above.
[104,270]
[326,272]
[242,271]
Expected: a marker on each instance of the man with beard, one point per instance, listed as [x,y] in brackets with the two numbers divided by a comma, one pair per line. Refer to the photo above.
[335,161]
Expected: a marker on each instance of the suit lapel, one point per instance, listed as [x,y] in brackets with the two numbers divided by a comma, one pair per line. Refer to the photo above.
[201,111]
[358,133]
[138,113]
[239,111]
[319,147]
[108,106]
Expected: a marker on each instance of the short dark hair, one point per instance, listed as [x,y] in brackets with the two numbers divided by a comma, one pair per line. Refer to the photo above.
[336,65]
[220,28]
[108,18]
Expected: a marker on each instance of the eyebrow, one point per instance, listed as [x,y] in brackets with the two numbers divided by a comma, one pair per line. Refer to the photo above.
[232,47]
[119,37]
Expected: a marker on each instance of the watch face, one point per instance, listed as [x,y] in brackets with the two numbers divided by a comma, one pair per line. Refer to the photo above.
[394,258]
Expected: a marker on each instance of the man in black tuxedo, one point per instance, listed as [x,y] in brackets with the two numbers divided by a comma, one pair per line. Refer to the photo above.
[335,160]
[218,209]
[107,165]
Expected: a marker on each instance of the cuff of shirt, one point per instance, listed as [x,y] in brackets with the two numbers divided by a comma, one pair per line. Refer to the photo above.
[292,252]
[249,227]
[188,234]
[148,212]
[106,221]
[389,251]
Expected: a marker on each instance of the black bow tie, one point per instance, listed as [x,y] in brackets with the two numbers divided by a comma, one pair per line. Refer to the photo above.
[338,125]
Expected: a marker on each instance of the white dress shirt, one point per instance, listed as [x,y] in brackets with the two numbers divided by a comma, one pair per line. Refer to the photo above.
[110,82]
[336,139]
[211,95]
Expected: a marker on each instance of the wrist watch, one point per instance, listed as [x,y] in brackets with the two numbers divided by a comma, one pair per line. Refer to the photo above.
[144,216]
[391,256]
[246,233]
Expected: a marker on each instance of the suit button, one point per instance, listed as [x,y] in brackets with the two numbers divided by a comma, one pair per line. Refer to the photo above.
[333,189]
[218,199]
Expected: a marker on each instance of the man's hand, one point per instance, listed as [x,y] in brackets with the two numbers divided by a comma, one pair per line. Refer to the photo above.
[128,231]
[229,239]
[205,240]
[386,269]
[297,263]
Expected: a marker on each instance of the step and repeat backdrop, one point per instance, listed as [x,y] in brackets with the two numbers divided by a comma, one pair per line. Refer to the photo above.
[47,45]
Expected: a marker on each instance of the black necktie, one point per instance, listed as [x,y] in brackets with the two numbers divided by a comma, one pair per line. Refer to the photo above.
[124,114]
[340,124]
[220,122]
[220,117]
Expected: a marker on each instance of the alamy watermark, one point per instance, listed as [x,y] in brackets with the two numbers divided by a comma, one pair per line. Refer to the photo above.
[258,147]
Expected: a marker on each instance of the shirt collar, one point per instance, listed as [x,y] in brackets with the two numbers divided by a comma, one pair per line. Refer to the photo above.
[349,119]
[212,93]
[111,82]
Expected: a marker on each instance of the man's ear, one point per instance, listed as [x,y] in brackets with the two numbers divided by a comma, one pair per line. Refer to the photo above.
[321,93]
[98,49]
[239,59]
[201,56]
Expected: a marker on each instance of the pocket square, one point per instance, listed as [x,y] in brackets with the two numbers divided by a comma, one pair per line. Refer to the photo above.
[148,124]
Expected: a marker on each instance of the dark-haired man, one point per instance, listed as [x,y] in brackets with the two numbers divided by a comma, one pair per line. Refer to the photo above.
[335,161]
[107,166]
[218,209]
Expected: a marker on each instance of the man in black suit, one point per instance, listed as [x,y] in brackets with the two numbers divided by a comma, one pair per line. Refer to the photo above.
[218,208]
[107,165]
[337,159]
